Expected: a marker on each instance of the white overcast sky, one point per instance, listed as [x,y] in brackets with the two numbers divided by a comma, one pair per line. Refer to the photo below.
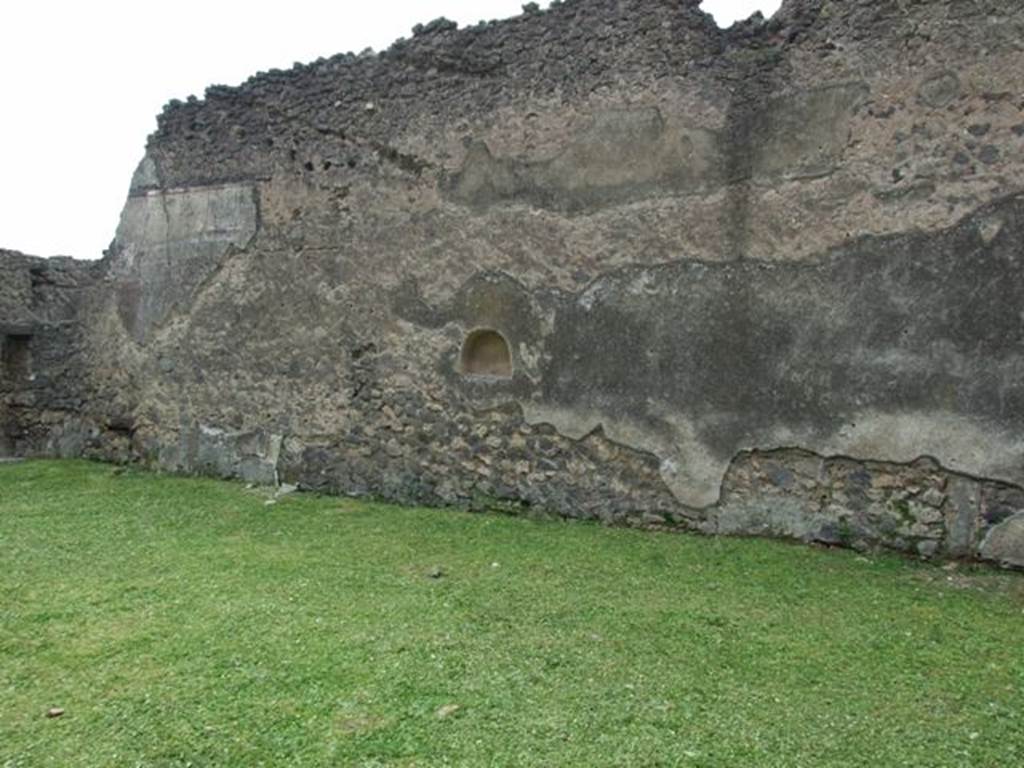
[81,84]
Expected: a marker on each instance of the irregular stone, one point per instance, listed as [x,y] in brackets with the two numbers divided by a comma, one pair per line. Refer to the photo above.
[1004,544]
[928,549]
[926,515]
[962,513]
[939,90]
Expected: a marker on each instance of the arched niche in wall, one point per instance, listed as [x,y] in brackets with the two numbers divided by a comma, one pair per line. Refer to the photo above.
[486,353]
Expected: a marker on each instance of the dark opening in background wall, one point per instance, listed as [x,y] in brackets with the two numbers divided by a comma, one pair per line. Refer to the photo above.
[486,353]
[17,358]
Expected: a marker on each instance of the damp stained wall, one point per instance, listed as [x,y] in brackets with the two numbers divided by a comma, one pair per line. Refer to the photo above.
[762,280]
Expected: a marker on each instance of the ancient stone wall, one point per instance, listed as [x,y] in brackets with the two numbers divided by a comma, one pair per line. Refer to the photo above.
[604,260]
[42,355]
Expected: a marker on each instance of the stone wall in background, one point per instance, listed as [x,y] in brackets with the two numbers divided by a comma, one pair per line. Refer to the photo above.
[43,355]
[762,281]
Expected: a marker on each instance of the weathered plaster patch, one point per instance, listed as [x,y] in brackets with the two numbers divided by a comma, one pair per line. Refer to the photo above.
[170,241]
[690,471]
[629,154]
[802,135]
[856,356]
[146,176]
[623,154]
[963,444]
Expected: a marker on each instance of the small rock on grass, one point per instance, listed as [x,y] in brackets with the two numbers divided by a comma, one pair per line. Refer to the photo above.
[54,712]
[447,711]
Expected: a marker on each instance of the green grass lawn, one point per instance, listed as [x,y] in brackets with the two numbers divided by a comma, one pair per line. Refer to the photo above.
[186,622]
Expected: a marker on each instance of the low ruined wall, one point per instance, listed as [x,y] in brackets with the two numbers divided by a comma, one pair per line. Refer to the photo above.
[43,389]
[605,261]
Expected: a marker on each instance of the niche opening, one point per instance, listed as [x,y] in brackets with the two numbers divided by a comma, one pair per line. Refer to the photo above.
[17,358]
[486,353]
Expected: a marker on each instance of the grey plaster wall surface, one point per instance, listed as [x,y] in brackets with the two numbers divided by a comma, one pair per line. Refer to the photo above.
[169,241]
[756,281]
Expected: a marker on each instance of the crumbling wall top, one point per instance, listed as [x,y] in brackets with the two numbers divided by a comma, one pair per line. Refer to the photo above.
[570,49]
[574,49]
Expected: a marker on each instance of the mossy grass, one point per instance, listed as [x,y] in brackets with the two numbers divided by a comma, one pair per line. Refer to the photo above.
[184,622]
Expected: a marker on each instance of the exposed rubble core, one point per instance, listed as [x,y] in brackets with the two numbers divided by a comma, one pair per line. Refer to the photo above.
[604,260]
[43,354]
